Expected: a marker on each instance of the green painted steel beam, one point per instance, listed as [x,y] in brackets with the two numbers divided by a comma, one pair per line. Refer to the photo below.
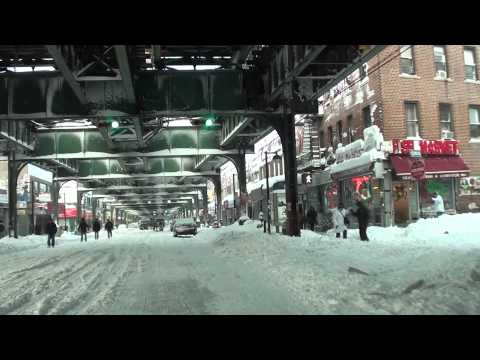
[111,176]
[91,144]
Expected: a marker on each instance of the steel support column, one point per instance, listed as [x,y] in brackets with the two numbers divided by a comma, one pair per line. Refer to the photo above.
[286,131]
[55,196]
[94,207]
[79,208]
[197,206]
[205,205]
[12,194]
[217,183]
[239,161]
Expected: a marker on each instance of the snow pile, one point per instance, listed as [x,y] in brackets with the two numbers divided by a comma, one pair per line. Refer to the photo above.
[420,269]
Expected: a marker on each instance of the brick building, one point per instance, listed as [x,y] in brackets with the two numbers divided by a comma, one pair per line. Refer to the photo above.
[423,98]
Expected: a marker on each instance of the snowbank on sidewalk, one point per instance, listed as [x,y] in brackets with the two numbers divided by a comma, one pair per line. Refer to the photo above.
[429,267]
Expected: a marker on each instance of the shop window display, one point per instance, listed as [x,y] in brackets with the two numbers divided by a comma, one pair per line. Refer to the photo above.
[444,187]
[470,185]
[371,190]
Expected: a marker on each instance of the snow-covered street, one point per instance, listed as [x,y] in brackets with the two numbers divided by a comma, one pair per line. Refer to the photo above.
[430,267]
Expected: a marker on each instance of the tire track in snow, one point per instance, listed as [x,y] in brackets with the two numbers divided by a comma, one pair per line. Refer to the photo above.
[106,296]
[16,295]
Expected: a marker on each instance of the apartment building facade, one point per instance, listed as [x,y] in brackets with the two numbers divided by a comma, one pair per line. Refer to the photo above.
[403,125]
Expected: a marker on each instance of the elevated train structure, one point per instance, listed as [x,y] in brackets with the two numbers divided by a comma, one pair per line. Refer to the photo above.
[106,115]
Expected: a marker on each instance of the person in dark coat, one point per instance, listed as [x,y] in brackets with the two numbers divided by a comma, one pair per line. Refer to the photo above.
[51,231]
[360,211]
[312,218]
[96,227]
[109,227]
[83,227]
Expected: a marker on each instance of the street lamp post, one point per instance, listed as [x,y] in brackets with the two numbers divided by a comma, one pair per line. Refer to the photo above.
[275,157]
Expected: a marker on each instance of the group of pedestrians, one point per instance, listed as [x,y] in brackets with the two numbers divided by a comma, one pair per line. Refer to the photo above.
[82,228]
[340,218]
[341,221]
[340,215]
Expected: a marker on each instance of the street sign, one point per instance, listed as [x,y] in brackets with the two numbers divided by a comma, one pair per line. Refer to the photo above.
[417,169]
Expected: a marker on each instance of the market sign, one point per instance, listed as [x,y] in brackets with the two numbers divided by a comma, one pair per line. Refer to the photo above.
[417,169]
[426,147]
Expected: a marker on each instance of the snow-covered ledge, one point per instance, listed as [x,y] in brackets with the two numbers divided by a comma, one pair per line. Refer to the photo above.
[364,159]
[470,81]
[409,76]
[442,79]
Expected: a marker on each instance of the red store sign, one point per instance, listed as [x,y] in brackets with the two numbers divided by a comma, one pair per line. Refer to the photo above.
[426,147]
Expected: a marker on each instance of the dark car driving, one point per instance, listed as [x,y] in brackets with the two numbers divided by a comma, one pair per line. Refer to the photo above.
[185,227]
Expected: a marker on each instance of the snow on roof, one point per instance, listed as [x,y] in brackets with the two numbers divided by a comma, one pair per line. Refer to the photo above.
[364,159]
[271,181]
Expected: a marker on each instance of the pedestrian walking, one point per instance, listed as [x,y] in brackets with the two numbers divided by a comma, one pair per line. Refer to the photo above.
[51,231]
[109,227]
[83,227]
[438,205]
[312,218]
[340,221]
[96,227]
[261,218]
[360,211]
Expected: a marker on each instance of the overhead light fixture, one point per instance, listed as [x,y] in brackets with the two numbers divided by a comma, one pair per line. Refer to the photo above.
[115,124]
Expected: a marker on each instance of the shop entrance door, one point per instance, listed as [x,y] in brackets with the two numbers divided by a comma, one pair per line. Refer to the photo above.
[400,202]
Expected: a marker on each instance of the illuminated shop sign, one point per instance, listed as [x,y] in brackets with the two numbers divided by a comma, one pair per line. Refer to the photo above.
[426,147]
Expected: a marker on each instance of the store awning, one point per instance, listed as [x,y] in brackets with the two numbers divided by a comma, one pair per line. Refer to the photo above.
[435,166]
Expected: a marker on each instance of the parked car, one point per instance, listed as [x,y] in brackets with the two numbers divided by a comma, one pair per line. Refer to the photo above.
[185,227]
[215,225]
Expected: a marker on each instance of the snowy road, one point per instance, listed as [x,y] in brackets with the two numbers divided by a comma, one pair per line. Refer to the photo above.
[137,272]
[430,267]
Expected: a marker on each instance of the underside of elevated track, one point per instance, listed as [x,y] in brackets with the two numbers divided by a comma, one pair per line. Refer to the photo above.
[107,115]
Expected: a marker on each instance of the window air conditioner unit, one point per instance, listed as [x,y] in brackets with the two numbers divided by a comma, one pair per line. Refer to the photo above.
[447,134]
[442,74]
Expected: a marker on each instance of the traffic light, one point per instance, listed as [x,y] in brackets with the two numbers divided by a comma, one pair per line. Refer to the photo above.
[209,122]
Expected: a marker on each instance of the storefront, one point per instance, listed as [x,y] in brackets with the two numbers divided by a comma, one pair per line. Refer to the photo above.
[420,168]
[359,168]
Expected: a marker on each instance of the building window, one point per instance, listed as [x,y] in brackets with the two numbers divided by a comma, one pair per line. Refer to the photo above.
[412,119]
[470,65]
[446,129]
[330,136]
[281,165]
[439,54]
[349,129]
[367,120]
[340,132]
[363,71]
[322,139]
[406,60]
[474,116]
